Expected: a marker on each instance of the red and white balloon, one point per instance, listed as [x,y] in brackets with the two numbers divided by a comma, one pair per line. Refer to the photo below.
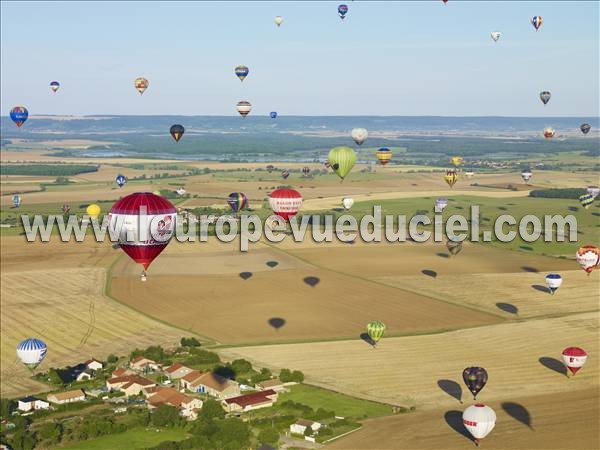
[144,223]
[574,358]
[285,203]
[479,420]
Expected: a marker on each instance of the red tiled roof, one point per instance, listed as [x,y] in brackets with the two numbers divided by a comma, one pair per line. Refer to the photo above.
[131,379]
[252,399]
[169,396]
[91,361]
[119,371]
[174,368]
[192,376]
[213,381]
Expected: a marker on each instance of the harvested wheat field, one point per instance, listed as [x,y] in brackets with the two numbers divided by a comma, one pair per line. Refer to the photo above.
[54,291]
[557,421]
[522,359]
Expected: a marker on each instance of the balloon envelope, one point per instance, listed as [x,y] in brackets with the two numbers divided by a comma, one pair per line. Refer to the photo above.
[537,21]
[141,84]
[585,128]
[475,378]
[457,160]
[55,86]
[549,132]
[495,35]
[93,211]
[342,11]
[347,202]
[451,177]
[19,115]
[278,20]
[479,420]
[574,358]
[121,180]
[526,175]
[237,201]
[375,330]
[342,160]
[16,200]
[545,96]
[441,203]
[32,352]
[244,107]
[383,155]
[242,72]
[588,257]
[285,203]
[176,131]
[273,114]
[359,135]
[553,282]
[586,200]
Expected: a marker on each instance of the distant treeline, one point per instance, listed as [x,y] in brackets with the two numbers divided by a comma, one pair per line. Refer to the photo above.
[50,170]
[572,193]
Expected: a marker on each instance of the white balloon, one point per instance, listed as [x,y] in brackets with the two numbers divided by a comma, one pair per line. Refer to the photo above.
[495,35]
[278,20]
[347,202]
[479,420]
[359,135]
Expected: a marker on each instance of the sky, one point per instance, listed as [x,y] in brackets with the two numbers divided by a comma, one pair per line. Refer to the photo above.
[385,58]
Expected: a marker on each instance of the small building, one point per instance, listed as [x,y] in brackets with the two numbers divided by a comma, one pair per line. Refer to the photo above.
[87,374]
[93,364]
[248,402]
[274,383]
[211,384]
[121,371]
[129,384]
[142,364]
[32,404]
[61,398]
[188,406]
[177,371]
[302,424]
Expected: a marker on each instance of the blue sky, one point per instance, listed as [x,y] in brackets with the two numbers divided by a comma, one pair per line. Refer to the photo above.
[386,58]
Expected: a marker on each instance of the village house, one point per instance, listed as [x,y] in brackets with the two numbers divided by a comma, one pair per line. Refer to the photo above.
[248,402]
[93,364]
[302,424]
[60,398]
[274,383]
[211,384]
[87,374]
[188,406]
[129,384]
[142,364]
[177,371]
[121,371]
[32,404]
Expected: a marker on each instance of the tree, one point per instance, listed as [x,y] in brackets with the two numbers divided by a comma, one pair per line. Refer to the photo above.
[211,409]
[241,366]
[111,359]
[7,406]
[308,431]
[51,432]
[166,416]
[189,342]
[268,436]
[265,374]
[23,440]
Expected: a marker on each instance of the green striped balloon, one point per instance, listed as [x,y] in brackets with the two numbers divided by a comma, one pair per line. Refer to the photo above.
[342,160]
[586,200]
[375,330]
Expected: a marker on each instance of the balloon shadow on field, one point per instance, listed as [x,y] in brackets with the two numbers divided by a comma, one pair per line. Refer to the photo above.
[507,307]
[429,273]
[276,322]
[454,420]
[337,209]
[245,275]
[272,264]
[452,388]
[573,208]
[443,255]
[553,364]
[529,269]
[518,412]
[116,246]
[365,337]
[539,287]
[311,281]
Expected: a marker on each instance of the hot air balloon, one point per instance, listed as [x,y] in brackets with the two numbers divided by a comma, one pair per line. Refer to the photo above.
[244,107]
[180,190]
[479,420]
[553,281]
[242,72]
[495,35]
[593,190]
[588,257]
[451,177]
[93,211]
[549,133]
[285,202]
[285,174]
[375,330]
[145,223]
[545,97]
[444,1]
[270,168]
[176,131]
[469,174]
[306,170]
[585,128]
[278,20]
[347,203]
[16,200]
[121,180]
[66,208]
[441,203]
[537,22]
[19,115]
[454,247]
[359,135]
[586,200]
[574,358]
[457,160]
[237,201]
[32,352]
[383,155]
[273,114]
[342,160]
[141,84]
[526,175]
[342,11]
[54,86]
[475,378]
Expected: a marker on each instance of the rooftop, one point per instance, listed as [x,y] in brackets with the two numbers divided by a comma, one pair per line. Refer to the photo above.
[252,399]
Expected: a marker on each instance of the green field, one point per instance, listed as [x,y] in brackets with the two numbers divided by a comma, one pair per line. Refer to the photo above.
[137,438]
[341,404]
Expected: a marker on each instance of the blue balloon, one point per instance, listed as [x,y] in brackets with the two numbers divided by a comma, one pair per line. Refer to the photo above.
[121,180]
[19,115]
[31,352]
[16,200]
[342,10]
[273,114]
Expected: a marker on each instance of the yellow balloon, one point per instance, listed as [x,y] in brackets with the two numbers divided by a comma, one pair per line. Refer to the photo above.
[93,211]
[457,160]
